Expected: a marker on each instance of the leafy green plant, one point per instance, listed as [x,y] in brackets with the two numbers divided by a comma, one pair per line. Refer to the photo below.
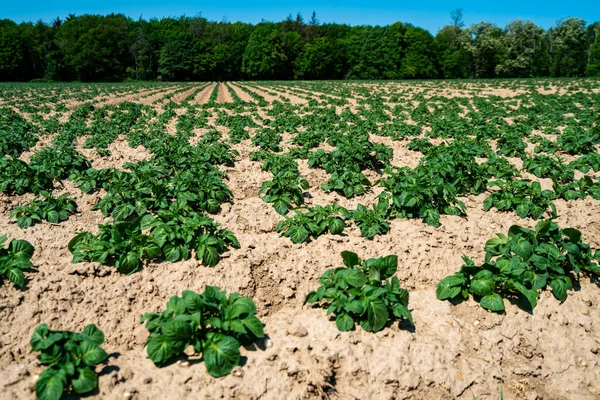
[544,166]
[523,196]
[121,244]
[314,222]
[212,322]
[499,168]
[347,182]
[16,177]
[517,266]
[48,208]
[284,190]
[579,189]
[15,259]
[371,221]
[576,140]
[586,163]
[70,357]
[267,139]
[419,193]
[361,292]
[59,162]
[179,230]
[511,144]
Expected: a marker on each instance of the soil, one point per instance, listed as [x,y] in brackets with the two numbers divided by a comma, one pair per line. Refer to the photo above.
[453,351]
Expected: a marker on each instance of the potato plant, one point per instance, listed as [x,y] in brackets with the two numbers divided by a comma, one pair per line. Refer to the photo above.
[15,259]
[47,208]
[518,265]
[71,359]
[361,292]
[312,223]
[216,325]
[523,196]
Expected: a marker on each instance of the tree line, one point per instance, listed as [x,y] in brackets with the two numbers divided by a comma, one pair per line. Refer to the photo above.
[115,48]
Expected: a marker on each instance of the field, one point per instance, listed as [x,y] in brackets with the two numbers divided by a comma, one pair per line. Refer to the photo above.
[427,171]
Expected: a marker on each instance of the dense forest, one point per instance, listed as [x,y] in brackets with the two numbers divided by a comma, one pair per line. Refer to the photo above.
[115,47]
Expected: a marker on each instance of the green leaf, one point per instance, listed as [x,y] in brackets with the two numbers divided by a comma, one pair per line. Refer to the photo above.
[21,249]
[281,207]
[94,334]
[336,226]
[179,333]
[559,289]
[483,283]
[298,234]
[492,302]
[159,349]
[522,210]
[530,296]
[450,287]
[171,253]
[344,322]
[51,384]
[572,234]
[16,276]
[254,325]
[355,307]
[38,337]
[350,259]
[127,263]
[356,278]
[210,256]
[523,249]
[85,381]
[487,203]
[221,354]
[377,316]
[91,353]
[388,266]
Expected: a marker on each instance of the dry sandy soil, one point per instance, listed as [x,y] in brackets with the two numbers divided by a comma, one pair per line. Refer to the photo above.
[453,351]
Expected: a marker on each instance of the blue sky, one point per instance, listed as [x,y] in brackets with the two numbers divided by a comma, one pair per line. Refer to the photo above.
[430,15]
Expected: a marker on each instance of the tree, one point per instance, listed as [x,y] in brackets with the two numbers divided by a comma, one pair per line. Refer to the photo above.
[593,64]
[484,45]
[419,59]
[264,56]
[569,48]
[316,61]
[11,52]
[520,49]
[95,47]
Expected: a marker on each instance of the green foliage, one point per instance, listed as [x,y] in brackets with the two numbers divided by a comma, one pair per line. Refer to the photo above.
[348,183]
[576,140]
[179,230]
[361,292]
[16,133]
[16,177]
[48,208]
[121,244]
[312,223]
[267,139]
[15,259]
[58,162]
[371,221]
[419,193]
[524,197]
[212,322]
[521,264]
[544,166]
[71,359]
[511,144]
[284,190]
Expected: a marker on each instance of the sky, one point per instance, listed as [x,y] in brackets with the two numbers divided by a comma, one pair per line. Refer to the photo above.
[431,15]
